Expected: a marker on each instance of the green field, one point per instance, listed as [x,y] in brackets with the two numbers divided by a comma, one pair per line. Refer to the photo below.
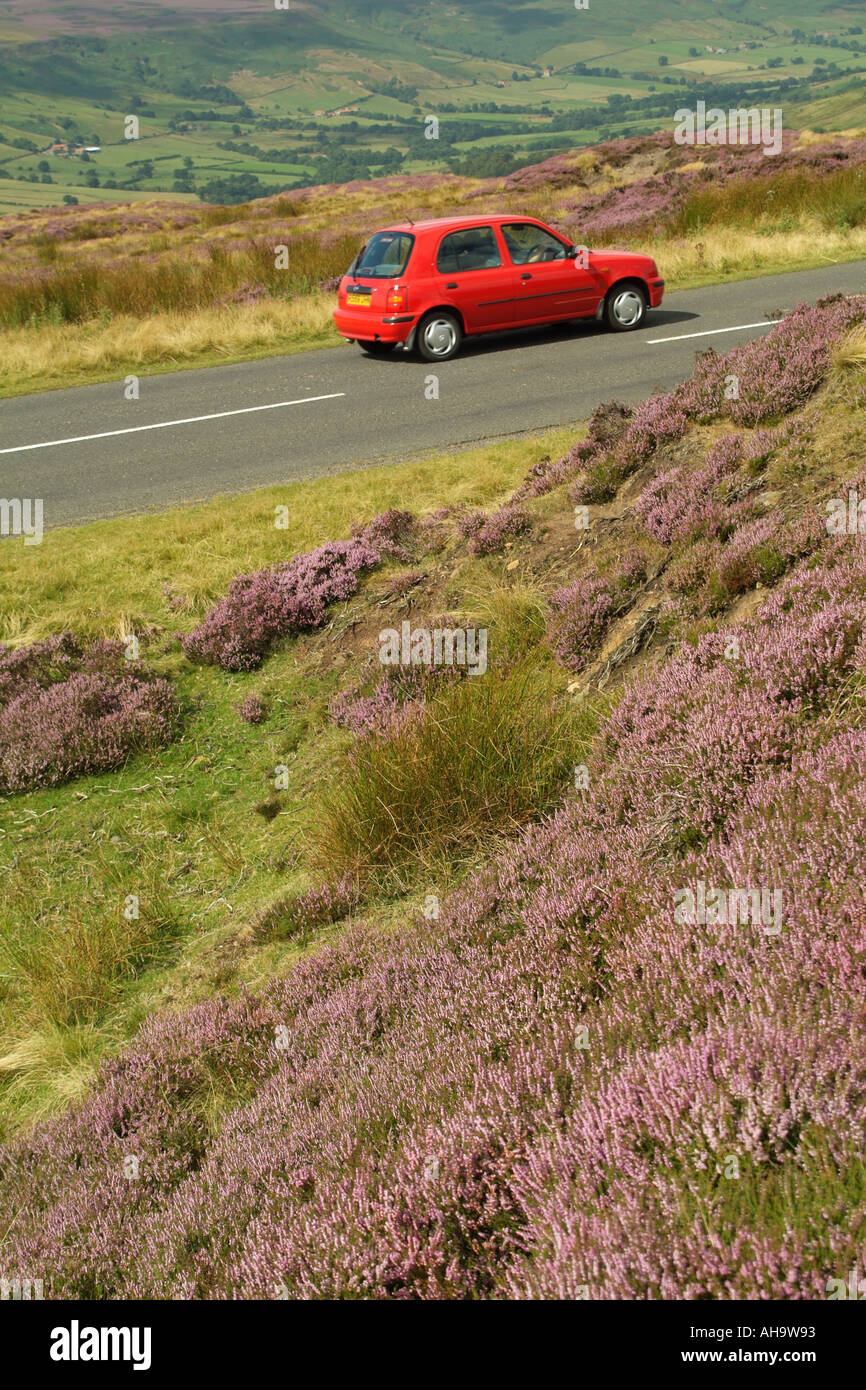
[253,97]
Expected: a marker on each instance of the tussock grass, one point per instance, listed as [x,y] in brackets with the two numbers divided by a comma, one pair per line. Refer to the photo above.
[59,354]
[719,254]
[487,755]
[48,1069]
[76,290]
[836,200]
[850,354]
[514,608]
[68,969]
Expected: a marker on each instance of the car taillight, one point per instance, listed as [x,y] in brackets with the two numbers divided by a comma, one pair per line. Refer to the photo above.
[398,299]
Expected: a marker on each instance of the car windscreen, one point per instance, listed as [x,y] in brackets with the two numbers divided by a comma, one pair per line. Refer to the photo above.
[385,255]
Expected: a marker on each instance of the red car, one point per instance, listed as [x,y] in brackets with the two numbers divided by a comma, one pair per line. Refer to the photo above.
[430,284]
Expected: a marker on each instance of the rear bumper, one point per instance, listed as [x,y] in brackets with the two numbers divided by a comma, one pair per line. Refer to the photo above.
[366,327]
[657,289]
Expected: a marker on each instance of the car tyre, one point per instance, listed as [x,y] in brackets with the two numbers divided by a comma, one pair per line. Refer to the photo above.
[375,348]
[439,336]
[625,307]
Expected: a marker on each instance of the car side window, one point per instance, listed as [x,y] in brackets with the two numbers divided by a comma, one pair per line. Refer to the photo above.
[527,243]
[474,248]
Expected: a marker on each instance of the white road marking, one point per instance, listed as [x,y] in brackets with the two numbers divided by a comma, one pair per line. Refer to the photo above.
[709,332]
[168,424]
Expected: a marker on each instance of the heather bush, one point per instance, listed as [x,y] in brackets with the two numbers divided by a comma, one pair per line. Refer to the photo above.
[262,608]
[468,523]
[776,373]
[390,534]
[580,613]
[709,574]
[676,505]
[487,535]
[397,699]
[301,913]
[253,709]
[606,426]
[541,1089]
[70,708]
[377,713]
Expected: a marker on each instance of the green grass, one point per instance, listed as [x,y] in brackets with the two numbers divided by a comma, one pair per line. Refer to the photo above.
[491,753]
[337,59]
[184,831]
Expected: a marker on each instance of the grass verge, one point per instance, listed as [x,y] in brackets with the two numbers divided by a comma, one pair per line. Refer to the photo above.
[198,834]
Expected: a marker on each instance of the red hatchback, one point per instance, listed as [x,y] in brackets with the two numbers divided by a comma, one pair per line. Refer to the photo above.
[430,284]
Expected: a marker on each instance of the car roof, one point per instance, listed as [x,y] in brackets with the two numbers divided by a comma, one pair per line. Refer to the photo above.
[456,223]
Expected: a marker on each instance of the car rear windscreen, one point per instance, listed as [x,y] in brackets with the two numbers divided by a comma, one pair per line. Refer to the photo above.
[385,255]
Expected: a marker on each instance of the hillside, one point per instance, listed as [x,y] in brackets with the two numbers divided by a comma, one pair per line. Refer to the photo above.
[235,101]
[544,982]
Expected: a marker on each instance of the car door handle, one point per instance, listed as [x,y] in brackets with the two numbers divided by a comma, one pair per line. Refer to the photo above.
[527,275]
[452,285]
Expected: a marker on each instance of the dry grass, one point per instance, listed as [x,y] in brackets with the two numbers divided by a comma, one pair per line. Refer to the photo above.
[51,355]
[851,352]
[734,253]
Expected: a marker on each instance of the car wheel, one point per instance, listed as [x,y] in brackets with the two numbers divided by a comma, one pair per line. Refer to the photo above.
[625,308]
[375,348]
[439,336]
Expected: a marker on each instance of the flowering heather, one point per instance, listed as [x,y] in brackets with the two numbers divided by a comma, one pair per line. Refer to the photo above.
[709,574]
[774,375]
[390,533]
[490,534]
[606,425]
[253,709]
[679,505]
[69,708]
[398,698]
[543,1090]
[381,712]
[604,466]
[262,608]
[301,913]
[581,613]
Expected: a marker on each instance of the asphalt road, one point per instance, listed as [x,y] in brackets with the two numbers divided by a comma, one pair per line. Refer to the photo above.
[319,413]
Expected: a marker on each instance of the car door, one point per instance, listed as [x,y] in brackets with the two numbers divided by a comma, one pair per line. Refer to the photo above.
[549,284]
[473,275]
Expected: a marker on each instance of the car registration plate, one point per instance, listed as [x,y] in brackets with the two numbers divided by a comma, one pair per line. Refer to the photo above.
[359,299]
